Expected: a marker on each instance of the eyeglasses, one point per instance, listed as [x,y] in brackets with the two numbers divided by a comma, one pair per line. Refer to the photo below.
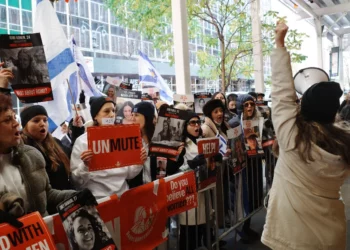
[194,123]
[247,104]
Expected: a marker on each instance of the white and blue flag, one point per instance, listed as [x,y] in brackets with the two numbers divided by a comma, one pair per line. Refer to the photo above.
[149,76]
[222,144]
[59,59]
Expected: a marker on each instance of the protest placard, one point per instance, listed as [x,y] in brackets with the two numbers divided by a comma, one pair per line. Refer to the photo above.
[252,136]
[83,225]
[143,216]
[209,147]
[238,153]
[188,100]
[126,99]
[33,235]
[24,55]
[181,192]
[114,146]
[200,99]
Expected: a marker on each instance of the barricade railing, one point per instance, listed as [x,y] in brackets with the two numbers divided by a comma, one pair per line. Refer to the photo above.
[229,204]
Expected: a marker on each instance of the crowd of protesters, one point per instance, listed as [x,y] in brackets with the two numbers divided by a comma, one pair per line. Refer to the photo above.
[304,208]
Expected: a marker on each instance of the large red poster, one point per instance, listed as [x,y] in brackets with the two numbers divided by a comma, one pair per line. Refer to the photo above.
[181,193]
[33,235]
[114,146]
[143,217]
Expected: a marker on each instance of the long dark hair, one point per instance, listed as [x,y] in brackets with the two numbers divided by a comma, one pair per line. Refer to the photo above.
[185,133]
[149,129]
[50,148]
[100,236]
[121,110]
[217,93]
[332,138]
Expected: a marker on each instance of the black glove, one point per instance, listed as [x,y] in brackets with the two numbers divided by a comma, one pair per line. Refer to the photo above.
[87,197]
[82,97]
[197,161]
[218,157]
[10,219]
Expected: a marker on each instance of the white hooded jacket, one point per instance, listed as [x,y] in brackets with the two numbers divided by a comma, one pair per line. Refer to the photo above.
[101,183]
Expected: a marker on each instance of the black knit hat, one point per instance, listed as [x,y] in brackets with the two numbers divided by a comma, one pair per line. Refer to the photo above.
[253,94]
[190,115]
[96,104]
[320,102]
[241,100]
[28,113]
[146,109]
[211,105]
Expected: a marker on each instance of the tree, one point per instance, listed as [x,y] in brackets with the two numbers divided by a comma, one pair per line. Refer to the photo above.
[227,48]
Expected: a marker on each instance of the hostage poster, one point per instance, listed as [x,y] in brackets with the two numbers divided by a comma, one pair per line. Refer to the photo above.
[126,99]
[209,147]
[188,100]
[24,55]
[166,141]
[33,235]
[83,225]
[252,136]
[236,143]
[200,99]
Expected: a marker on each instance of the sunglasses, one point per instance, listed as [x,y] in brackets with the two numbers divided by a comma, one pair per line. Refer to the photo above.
[247,104]
[194,123]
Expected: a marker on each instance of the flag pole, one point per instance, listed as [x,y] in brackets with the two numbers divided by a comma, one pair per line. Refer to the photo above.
[71,95]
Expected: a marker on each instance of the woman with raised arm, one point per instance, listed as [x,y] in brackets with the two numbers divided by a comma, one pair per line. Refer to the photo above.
[304,210]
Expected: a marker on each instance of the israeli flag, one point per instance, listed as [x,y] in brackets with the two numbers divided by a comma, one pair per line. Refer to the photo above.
[222,144]
[149,76]
[86,81]
[59,59]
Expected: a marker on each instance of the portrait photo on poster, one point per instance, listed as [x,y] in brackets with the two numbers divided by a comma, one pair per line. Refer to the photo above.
[24,55]
[84,226]
[161,167]
[168,129]
[126,99]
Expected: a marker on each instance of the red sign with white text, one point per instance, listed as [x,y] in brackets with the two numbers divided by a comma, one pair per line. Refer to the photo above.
[114,146]
[208,147]
[181,193]
[33,235]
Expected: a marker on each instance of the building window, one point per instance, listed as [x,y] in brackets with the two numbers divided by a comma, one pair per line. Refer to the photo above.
[61,6]
[94,11]
[3,15]
[14,16]
[27,19]
[83,8]
[73,8]
[103,14]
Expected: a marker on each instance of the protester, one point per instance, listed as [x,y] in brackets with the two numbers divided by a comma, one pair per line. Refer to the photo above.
[252,175]
[231,99]
[215,126]
[260,97]
[23,167]
[304,210]
[254,95]
[104,182]
[220,96]
[35,133]
[191,132]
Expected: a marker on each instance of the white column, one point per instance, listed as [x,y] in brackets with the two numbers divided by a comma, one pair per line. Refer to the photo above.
[341,62]
[257,47]
[318,27]
[180,31]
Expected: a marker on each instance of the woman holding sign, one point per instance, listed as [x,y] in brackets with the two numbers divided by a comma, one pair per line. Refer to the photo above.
[104,182]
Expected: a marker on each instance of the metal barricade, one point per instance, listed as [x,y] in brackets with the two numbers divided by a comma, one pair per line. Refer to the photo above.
[229,205]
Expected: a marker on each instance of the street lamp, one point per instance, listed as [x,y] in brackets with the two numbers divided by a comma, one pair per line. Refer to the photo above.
[86,27]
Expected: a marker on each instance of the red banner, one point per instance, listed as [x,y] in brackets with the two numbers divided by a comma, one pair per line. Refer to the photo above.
[143,217]
[208,147]
[33,235]
[114,146]
[181,193]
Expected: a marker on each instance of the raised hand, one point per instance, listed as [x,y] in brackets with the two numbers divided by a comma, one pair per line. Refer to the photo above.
[5,76]
[280,33]
[86,157]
